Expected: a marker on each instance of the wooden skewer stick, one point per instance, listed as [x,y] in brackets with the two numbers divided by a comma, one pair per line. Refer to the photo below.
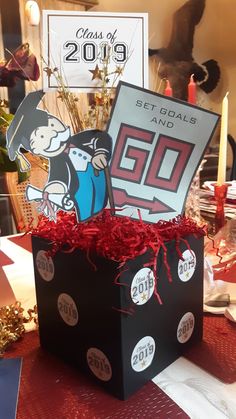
[109,189]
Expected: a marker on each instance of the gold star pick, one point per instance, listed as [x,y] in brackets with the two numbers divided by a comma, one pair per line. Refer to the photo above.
[97,73]
[143,363]
[144,296]
[119,70]
[49,71]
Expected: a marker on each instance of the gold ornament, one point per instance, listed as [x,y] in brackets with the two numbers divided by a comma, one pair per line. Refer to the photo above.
[12,321]
[48,71]
[119,70]
[99,103]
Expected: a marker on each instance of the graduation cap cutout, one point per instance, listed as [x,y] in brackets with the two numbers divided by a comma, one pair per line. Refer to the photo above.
[27,118]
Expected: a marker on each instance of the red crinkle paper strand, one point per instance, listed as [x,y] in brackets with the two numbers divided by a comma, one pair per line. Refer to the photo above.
[117,238]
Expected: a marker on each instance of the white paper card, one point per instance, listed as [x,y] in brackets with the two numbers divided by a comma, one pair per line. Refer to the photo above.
[77,43]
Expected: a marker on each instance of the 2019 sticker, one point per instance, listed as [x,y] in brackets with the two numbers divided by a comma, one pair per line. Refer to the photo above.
[45,265]
[187,266]
[67,309]
[99,364]
[142,286]
[143,353]
[185,327]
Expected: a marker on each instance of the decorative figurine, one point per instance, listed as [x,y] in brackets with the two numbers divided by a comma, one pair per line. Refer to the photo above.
[77,163]
[176,60]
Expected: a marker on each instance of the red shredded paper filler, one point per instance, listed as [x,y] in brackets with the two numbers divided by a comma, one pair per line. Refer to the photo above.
[113,237]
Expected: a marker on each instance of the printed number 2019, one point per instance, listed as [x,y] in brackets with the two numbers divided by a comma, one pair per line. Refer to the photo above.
[99,364]
[143,286]
[185,328]
[90,52]
[143,354]
[45,265]
[185,266]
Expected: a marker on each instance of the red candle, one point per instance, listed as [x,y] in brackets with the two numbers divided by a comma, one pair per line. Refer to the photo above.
[168,90]
[192,91]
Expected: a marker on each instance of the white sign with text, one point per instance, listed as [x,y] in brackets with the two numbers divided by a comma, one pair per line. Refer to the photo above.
[81,45]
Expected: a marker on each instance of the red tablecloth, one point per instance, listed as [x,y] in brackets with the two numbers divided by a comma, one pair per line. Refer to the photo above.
[216,353]
[4,259]
[50,389]
[22,241]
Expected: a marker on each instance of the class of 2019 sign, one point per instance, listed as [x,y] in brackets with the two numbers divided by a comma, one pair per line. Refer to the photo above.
[158,144]
[81,44]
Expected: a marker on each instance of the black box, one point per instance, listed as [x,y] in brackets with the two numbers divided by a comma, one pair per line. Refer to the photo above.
[107,321]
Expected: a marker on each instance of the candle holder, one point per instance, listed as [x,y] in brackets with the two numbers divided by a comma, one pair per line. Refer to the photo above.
[220,194]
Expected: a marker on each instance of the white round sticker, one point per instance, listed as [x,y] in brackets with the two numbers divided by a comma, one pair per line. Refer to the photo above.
[187,266]
[185,327]
[143,354]
[142,286]
[45,265]
[67,309]
[99,364]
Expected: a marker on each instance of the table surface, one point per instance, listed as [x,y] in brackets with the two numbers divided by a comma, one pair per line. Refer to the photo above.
[203,383]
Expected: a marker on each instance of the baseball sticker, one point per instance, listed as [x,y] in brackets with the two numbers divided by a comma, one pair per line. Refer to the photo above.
[45,265]
[67,309]
[187,266]
[185,327]
[99,364]
[142,286]
[143,353]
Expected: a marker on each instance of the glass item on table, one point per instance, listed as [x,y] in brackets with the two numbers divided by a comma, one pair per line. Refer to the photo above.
[192,206]
[221,250]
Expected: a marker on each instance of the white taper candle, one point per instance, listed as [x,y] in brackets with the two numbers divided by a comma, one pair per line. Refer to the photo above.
[223,142]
